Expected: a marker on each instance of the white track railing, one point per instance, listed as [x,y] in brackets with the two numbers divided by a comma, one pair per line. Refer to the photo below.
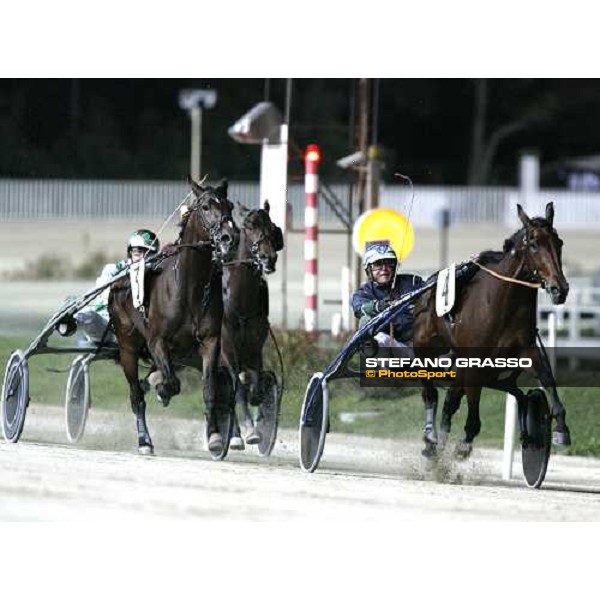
[79,199]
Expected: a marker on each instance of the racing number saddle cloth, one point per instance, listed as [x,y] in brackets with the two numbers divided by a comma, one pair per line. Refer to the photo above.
[445,291]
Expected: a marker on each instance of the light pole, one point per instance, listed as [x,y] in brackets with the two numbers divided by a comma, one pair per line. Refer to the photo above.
[194,101]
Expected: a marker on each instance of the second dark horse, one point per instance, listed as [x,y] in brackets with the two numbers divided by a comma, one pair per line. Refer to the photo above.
[183,313]
[246,314]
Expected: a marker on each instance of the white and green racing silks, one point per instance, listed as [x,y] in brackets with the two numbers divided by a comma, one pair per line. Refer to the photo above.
[108,272]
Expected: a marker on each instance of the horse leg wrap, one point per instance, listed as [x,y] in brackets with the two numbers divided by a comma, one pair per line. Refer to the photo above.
[155,378]
[430,433]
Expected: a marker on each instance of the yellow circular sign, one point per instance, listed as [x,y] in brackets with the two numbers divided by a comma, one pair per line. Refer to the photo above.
[384,224]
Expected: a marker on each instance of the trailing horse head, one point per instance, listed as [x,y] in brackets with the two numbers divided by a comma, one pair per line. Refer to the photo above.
[541,248]
[264,237]
[210,211]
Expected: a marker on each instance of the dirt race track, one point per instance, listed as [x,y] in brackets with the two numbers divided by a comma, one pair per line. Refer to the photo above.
[102,478]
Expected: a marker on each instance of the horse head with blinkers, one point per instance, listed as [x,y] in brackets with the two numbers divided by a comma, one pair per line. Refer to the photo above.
[210,215]
[539,248]
[262,239]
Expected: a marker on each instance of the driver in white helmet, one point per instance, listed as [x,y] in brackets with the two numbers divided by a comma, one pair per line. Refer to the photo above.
[383,286]
[93,319]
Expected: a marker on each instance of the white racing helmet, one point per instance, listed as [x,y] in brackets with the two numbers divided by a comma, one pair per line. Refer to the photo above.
[143,238]
[378,250]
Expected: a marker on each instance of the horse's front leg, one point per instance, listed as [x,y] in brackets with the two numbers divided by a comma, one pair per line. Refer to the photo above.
[209,350]
[430,399]
[451,405]
[521,399]
[229,359]
[473,423]
[129,363]
[561,436]
[249,386]
[169,386]
[236,442]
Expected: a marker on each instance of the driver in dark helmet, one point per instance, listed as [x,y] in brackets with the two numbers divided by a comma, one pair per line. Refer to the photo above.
[383,286]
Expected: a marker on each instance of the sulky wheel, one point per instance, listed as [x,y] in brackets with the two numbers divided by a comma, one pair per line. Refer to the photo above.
[77,399]
[225,391]
[536,453]
[314,419]
[268,416]
[15,396]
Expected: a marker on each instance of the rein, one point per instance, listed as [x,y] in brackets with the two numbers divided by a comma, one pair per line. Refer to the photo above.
[507,279]
[242,261]
[196,246]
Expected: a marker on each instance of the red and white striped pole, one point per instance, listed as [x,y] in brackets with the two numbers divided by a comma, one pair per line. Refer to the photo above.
[312,158]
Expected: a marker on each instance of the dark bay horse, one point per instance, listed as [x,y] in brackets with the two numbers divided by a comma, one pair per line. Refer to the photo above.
[246,312]
[495,310]
[183,310]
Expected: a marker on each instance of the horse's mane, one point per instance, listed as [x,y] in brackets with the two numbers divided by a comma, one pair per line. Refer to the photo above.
[490,257]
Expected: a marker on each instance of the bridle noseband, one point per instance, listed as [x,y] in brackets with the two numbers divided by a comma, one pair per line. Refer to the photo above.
[529,247]
[215,229]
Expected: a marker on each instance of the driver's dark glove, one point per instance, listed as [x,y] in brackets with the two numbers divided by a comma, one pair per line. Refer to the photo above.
[381,305]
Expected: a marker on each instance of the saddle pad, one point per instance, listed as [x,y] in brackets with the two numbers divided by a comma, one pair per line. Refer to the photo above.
[136,276]
[445,292]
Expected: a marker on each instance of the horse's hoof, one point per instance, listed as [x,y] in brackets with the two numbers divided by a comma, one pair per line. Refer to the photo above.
[237,443]
[463,450]
[442,439]
[253,437]
[162,396]
[430,437]
[145,450]
[561,438]
[215,443]
[430,451]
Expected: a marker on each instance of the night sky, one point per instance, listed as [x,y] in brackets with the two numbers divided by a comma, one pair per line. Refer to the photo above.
[134,129]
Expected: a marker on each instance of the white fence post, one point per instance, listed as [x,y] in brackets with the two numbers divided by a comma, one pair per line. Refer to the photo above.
[510,422]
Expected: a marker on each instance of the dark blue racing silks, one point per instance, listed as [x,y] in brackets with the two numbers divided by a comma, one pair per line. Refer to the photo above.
[371,298]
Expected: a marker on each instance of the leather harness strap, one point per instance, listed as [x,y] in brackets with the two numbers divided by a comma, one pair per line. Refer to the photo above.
[508,279]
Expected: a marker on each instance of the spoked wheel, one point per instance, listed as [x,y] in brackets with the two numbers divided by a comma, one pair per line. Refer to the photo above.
[77,399]
[314,420]
[224,413]
[536,453]
[268,415]
[15,396]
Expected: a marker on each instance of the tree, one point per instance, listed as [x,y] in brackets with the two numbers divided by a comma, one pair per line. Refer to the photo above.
[484,148]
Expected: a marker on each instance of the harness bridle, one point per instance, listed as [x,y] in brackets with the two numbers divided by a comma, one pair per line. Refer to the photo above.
[255,260]
[534,280]
[214,229]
